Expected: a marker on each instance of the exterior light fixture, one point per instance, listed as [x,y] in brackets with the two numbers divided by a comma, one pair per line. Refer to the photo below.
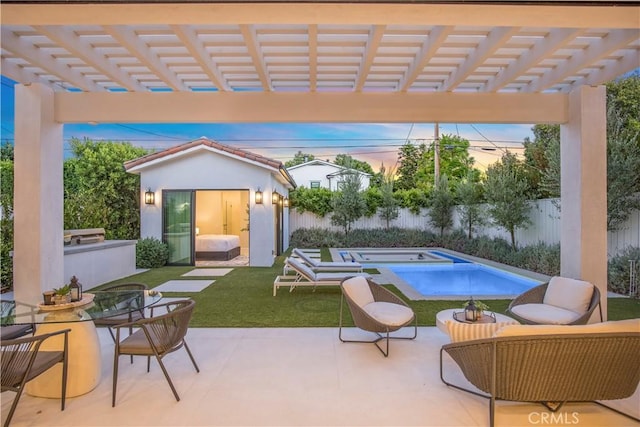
[275,197]
[149,197]
[286,202]
[258,196]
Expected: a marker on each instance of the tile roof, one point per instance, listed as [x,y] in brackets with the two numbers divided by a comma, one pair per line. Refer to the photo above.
[204,142]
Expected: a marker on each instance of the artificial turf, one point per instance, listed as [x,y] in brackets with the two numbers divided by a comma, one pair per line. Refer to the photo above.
[244,298]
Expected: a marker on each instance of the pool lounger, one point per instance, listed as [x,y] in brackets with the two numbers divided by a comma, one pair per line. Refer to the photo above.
[319,266]
[306,277]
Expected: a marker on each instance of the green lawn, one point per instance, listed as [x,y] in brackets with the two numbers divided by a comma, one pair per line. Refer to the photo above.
[244,298]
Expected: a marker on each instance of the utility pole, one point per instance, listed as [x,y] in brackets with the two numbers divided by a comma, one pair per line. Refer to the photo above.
[436,154]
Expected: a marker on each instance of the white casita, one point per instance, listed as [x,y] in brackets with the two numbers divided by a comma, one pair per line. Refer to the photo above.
[207,189]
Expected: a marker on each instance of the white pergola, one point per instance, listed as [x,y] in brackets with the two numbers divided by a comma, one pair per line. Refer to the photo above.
[194,62]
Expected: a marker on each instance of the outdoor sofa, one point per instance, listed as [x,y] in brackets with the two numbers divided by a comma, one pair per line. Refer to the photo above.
[551,364]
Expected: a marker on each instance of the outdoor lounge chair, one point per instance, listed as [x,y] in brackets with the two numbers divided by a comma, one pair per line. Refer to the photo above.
[551,364]
[319,266]
[305,276]
[562,301]
[375,309]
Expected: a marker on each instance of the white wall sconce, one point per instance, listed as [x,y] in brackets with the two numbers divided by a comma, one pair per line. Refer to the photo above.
[149,197]
[258,196]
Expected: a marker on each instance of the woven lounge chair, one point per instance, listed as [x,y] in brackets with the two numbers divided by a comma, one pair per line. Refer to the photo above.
[562,301]
[551,365]
[375,309]
[305,276]
[319,266]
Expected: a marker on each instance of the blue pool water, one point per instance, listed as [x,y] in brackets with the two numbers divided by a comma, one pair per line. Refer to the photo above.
[467,279]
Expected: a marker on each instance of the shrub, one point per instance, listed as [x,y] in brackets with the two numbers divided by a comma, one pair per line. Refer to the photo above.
[620,268]
[151,253]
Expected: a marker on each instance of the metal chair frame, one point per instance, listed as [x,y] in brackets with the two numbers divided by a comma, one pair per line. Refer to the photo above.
[365,322]
[154,329]
[18,359]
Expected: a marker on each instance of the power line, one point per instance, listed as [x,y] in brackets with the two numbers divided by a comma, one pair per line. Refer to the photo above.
[147,132]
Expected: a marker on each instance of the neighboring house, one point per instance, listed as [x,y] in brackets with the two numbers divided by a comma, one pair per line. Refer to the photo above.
[321,174]
[210,201]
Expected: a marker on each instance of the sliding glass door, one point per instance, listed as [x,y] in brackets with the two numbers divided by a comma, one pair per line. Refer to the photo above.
[177,225]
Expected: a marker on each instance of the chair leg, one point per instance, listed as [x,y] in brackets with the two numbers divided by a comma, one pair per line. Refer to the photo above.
[186,347]
[115,378]
[13,406]
[166,375]
[65,370]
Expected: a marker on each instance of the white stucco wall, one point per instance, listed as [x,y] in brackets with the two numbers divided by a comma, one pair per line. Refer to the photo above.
[303,175]
[206,170]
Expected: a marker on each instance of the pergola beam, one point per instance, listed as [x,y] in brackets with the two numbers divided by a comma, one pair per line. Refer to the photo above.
[275,107]
[323,13]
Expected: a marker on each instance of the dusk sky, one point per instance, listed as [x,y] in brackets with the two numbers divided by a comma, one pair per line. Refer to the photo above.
[373,143]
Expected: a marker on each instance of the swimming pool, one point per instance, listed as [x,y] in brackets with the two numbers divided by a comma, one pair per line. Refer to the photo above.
[461,279]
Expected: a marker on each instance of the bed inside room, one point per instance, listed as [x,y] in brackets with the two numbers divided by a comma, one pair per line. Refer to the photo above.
[222,226]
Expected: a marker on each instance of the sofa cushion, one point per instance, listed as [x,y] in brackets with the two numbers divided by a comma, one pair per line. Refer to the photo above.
[459,331]
[389,313]
[629,325]
[545,313]
[571,294]
[358,290]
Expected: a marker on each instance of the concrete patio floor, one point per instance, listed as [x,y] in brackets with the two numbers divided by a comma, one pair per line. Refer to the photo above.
[294,377]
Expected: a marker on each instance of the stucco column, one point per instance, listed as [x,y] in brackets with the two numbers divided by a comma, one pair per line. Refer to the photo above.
[583,216]
[38,194]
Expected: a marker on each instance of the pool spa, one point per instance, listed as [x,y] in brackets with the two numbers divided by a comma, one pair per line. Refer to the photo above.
[436,274]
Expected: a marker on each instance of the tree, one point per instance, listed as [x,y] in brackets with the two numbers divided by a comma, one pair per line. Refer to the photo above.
[6,151]
[623,169]
[97,190]
[455,162]
[409,158]
[6,222]
[469,195]
[441,211]
[537,159]
[506,192]
[298,159]
[348,203]
[347,161]
[388,209]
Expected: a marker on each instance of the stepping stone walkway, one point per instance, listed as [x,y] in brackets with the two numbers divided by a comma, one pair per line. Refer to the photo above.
[208,272]
[183,285]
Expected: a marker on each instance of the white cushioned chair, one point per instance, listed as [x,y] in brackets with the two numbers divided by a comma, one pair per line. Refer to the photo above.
[562,301]
[375,309]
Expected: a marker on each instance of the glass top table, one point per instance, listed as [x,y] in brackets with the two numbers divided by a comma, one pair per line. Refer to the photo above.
[85,359]
[103,304]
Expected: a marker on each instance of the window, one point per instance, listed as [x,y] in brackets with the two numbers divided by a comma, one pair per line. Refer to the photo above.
[340,185]
[315,184]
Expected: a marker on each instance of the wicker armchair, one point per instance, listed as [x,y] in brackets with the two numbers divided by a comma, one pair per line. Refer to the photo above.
[375,309]
[555,368]
[536,295]
[158,336]
[22,361]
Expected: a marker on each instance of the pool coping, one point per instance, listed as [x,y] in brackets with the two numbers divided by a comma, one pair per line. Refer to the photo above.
[386,276]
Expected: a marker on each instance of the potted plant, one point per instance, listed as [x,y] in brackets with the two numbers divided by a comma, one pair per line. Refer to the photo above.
[62,295]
